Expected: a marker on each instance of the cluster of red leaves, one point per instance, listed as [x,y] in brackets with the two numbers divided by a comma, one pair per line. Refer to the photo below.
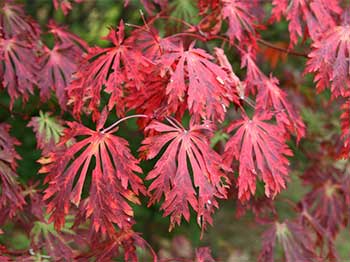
[167,78]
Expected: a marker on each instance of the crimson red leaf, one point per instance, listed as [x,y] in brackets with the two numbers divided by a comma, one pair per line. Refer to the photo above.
[109,67]
[10,191]
[18,73]
[203,84]
[271,98]
[328,61]
[327,201]
[317,14]
[240,19]
[56,69]
[172,174]
[261,151]
[14,22]
[295,240]
[112,175]
[66,38]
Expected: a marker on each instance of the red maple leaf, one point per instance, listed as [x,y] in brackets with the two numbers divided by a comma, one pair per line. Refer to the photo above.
[110,67]
[270,97]
[65,37]
[198,81]
[149,42]
[11,198]
[319,16]
[327,201]
[328,60]
[56,70]
[172,174]
[295,240]
[261,151]
[14,22]
[240,18]
[18,74]
[112,176]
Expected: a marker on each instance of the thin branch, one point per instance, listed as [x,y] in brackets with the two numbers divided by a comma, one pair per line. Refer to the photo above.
[121,120]
[281,49]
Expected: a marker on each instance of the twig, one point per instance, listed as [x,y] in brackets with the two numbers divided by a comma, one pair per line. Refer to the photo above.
[119,121]
[281,49]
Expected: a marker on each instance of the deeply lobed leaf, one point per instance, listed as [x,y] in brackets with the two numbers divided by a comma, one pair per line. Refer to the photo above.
[187,153]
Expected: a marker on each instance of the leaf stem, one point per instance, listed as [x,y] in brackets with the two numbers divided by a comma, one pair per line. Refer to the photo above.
[281,49]
[107,129]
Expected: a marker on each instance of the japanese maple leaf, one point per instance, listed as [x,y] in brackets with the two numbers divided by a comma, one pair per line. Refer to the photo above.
[329,61]
[327,200]
[56,70]
[149,42]
[270,97]
[112,176]
[67,38]
[172,174]
[151,100]
[197,79]
[14,22]
[240,18]
[295,240]
[56,244]
[319,16]
[19,70]
[64,5]
[127,240]
[10,190]
[110,67]
[47,129]
[261,151]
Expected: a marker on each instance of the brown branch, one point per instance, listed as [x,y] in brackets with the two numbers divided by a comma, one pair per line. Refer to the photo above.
[281,49]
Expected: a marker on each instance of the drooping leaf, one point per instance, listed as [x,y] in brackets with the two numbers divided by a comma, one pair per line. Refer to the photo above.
[326,200]
[56,244]
[56,71]
[14,22]
[188,152]
[198,81]
[328,60]
[109,67]
[18,74]
[295,240]
[11,199]
[260,148]
[150,43]
[270,97]
[64,37]
[108,250]
[240,18]
[113,179]
[318,16]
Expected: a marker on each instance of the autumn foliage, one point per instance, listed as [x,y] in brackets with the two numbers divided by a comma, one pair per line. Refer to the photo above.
[217,124]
